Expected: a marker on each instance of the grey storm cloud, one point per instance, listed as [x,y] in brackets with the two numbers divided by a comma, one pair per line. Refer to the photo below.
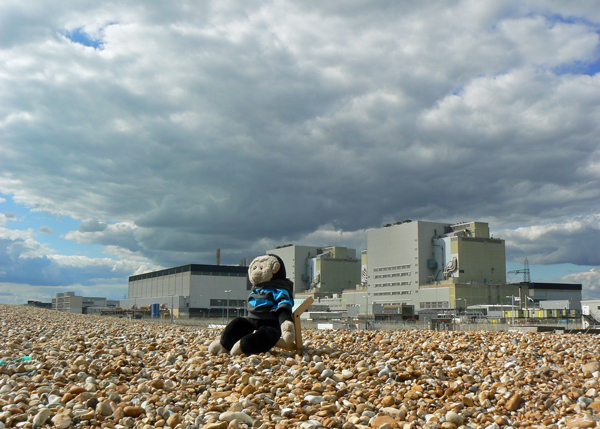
[244,126]
[92,226]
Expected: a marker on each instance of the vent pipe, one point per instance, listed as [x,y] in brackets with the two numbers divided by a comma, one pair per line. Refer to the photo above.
[218,256]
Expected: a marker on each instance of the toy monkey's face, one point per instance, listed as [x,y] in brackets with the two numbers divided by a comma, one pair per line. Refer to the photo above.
[262,269]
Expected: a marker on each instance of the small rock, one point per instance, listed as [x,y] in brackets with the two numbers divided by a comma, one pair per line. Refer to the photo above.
[236,415]
[381,421]
[581,422]
[103,409]
[133,411]
[514,403]
[173,420]
[41,417]
[61,421]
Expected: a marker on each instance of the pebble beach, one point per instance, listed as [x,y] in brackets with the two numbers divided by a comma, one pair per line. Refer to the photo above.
[64,370]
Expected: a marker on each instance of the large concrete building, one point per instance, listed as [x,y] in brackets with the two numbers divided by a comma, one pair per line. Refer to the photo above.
[192,290]
[68,302]
[422,263]
[320,269]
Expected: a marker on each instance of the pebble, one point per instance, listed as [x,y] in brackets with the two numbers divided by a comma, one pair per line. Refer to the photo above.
[41,417]
[99,372]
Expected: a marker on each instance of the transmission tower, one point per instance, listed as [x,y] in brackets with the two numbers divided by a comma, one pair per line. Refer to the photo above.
[524,271]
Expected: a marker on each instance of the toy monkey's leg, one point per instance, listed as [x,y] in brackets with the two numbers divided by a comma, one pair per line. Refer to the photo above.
[235,331]
[263,340]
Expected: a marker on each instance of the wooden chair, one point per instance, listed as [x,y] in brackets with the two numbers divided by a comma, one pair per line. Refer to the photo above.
[297,345]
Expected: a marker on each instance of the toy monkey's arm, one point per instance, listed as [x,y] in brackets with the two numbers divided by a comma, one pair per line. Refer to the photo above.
[288,333]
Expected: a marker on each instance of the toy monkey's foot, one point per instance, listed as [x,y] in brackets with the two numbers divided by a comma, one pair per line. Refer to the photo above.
[285,345]
[216,348]
[288,332]
[236,349]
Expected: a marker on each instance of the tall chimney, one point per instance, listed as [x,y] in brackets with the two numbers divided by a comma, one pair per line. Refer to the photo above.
[218,256]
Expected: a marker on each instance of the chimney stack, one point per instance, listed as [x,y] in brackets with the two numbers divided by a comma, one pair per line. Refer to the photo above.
[218,256]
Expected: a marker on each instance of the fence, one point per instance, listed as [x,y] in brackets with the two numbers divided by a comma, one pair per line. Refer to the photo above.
[219,323]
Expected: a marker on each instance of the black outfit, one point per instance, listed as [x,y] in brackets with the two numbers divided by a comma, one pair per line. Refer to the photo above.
[269,305]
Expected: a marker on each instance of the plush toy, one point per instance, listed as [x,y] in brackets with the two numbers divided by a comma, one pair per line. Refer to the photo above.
[269,320]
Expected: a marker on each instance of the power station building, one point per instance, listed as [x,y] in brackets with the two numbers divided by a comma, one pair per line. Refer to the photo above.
[192,290]
[320,269]
[431,265]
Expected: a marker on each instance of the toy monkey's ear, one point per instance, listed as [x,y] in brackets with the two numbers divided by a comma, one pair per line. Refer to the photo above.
[276,266]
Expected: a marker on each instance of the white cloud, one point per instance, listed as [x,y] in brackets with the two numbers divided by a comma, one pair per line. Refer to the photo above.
[590,281]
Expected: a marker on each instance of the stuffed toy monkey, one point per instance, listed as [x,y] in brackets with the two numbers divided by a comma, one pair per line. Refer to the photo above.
[269,312]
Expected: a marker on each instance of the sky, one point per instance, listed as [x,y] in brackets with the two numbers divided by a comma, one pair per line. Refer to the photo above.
[143,135]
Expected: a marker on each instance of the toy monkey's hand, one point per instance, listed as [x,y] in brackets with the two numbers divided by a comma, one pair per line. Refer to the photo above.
[288,332]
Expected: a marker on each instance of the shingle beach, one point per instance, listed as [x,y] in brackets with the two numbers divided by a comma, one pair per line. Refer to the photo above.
[75,371]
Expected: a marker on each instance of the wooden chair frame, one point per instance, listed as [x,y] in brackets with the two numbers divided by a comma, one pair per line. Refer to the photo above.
[297,345]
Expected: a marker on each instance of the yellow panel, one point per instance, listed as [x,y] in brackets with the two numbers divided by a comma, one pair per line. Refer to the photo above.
[454,245]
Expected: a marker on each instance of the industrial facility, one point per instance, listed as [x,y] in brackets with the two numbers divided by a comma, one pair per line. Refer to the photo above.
[410,270]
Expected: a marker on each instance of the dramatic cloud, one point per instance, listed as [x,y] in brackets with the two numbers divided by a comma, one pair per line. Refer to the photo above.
[169,130]
[590,280]
[574,242]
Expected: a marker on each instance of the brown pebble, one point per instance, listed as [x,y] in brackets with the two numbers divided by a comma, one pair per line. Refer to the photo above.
[133,411]
[581,422]
[381,420]
[514,403]
[174,420]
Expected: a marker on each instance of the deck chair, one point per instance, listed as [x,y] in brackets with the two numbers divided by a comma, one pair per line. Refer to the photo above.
[297,325]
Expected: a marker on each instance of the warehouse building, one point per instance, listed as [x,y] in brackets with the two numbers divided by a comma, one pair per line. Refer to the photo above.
[192,290]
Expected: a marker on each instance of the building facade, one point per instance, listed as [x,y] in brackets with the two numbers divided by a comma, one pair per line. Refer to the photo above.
[192,290]
[320,269]
[415,263]
[70,303]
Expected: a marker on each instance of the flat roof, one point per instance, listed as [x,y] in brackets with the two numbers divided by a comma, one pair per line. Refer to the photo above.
[238,271]
[555,286]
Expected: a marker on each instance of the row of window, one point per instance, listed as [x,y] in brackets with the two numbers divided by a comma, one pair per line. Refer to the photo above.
[398,267]
[223,303]
[402,292]
[438,304]
[393,284]
[385,276]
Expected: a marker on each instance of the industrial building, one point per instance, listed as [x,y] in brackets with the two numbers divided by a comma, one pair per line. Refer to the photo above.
[322,270]
[68,302]
[192,290]
[424,264]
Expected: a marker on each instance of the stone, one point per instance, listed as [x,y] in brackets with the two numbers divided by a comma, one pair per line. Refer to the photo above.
[103,409]
[590,367]
[61,421]
[132,411]
[454,418]
[581,422]
[380,421]
[514,403]
[173,420]
[239,416]
[41,417]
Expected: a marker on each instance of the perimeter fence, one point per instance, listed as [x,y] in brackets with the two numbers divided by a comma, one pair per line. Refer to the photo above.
[218,323]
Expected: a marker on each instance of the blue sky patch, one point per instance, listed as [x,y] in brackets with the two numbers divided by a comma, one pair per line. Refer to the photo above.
[80,36]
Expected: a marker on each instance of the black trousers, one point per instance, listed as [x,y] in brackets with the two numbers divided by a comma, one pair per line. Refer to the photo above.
[257,336]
